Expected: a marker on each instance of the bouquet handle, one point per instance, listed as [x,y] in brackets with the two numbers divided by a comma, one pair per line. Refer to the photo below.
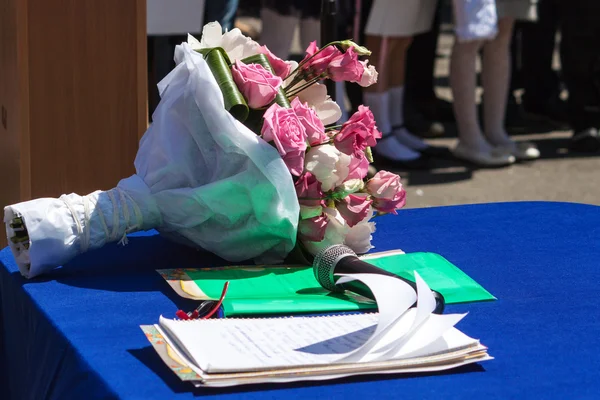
[48,232]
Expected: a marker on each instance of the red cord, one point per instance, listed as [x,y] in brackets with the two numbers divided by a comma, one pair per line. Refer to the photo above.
[182,315]
[216,307]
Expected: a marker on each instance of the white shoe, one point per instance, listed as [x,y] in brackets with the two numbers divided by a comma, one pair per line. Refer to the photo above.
[492,158]
[522,151]
[389,147]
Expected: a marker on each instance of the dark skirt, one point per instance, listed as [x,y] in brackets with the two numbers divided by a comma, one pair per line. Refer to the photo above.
[300,8]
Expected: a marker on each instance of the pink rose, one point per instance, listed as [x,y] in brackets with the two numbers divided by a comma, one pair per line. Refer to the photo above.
[313,229]
[357,133]
[369,76]
[315,130]
[258,85]
[281,68]
[346,67]
[318,64]
[283,127]
[387,192]
[308,186]
[354,208]
[359,166]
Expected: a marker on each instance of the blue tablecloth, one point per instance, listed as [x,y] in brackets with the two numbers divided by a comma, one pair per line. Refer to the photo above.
[74,333]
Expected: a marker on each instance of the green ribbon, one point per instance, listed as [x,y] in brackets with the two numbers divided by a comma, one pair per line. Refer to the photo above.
[220,66]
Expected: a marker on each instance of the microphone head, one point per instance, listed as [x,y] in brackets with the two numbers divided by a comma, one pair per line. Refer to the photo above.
[325,262]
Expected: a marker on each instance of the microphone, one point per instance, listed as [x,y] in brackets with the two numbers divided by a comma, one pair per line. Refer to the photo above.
[340,259]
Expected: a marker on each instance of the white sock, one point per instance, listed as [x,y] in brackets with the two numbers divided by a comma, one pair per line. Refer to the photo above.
[340,99]
[388,147]
[379,104]
[397,120]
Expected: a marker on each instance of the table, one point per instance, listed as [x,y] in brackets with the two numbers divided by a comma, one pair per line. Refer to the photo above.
[74,333]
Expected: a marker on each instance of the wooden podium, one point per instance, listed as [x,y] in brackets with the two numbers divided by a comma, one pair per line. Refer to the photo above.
[73,95]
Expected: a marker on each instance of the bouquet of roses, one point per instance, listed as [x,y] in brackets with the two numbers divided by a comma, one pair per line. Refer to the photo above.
[243,159]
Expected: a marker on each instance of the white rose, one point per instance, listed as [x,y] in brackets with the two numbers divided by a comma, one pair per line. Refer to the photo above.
[335,233]
[235,44]
[293,65]
[359,236]
[316,96]
[369,76]
[328,165]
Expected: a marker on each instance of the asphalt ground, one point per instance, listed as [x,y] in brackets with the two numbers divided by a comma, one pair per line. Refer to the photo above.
[559,175]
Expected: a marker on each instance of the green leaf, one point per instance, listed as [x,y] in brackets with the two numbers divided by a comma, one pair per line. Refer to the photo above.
[360,50]
[369,154]
[307,212]
[347,188]
[220,66]
[205,52]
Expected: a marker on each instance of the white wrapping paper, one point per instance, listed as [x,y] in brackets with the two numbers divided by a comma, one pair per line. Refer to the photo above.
[202,178]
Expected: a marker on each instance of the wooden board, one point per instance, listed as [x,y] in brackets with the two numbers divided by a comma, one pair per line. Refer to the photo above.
[73,94]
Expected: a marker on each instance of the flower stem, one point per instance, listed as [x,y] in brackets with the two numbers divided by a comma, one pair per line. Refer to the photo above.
[311,57]
[379,214]
[321,144]
[293,83]
[303,86]
[308,84]
[332,127]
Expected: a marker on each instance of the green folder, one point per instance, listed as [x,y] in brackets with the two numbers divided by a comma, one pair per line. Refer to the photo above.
[269,290]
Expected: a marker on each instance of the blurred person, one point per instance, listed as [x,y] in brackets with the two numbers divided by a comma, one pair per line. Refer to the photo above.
[541,83]
[222,11]
[281,18]
[420,62]
[160,49]
[247,16]
[533,47]
[389,31]
[487,25]
[353,15]
[422,108]
[580,55]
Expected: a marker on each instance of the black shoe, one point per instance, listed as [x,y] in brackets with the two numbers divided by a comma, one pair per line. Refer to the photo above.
[554,110]
[418,124]
[515,119]
[437,152]
[586,141]
[436,109]
[419,163]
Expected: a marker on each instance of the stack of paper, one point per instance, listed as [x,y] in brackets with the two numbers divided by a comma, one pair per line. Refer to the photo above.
[398,339]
